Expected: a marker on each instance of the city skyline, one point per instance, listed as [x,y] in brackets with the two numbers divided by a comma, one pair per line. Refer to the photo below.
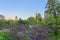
[22,8]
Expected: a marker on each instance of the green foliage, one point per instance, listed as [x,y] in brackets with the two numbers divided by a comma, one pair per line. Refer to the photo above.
[23,37]
[31,20]
[26,22]
[20,21]
[35,20]
[5,36]
[34,32]
[5,26]
[58,7]
[53,8]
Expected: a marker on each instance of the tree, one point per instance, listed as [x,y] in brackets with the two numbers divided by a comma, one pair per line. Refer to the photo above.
[20,21]
[58,7]
[31,20]
[51,7]
[38,19]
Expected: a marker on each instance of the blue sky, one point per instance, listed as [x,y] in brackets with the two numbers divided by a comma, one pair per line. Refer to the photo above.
[22,8]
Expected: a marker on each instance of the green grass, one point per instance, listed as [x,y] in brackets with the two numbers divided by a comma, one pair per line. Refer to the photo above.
[5,36]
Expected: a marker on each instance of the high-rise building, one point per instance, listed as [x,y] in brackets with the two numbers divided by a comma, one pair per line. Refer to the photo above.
[16,17]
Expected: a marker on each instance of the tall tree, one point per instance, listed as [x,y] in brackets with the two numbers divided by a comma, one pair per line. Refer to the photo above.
[31,20]
[20,21]
[58,8]
[51,7]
